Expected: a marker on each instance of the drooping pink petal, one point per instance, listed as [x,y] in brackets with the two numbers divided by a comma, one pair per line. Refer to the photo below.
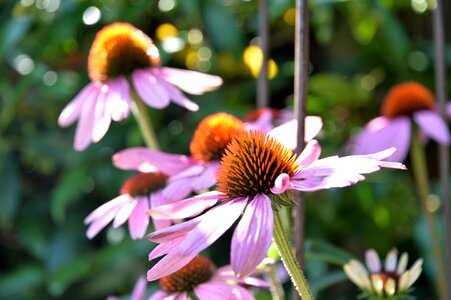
[432,124]
[102,114]
[281,184]
[165,247]
[99,223]
[140,289]
[191,171]
[147,160]
[225,273]
[101,210]
[186,208]
[372,261]
[178,189]
[86,121]
[119,99]
[139,220]
[157,199]
[192,82]
[213,290]
[174,231]
[382,133]
[124,213]
[252,236]
[211,226]
[207,179]
[72,110]
[178,98]
[162,295]
[311,153]
[149,89]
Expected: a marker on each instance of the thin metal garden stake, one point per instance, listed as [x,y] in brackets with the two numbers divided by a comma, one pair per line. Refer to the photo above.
[440,91]
[300,98]
[262,83]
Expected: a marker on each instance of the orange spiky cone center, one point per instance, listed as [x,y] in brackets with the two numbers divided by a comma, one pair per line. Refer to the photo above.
[406,98]
[251,164]
[213,135]
[143,184]
[197,271]
[119,49]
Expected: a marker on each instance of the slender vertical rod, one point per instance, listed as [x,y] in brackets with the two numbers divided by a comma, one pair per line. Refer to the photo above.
[300,98]
[440,91]
[263,31]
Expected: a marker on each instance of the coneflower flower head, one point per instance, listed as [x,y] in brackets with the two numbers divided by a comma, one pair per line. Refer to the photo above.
[392,281]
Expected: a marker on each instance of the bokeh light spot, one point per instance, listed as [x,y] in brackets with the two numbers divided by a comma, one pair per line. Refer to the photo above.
[195,36]
[290,16]
[253,58]
[23,64]
[417,60]
[49,78]
[91,15]
[166,5]
[165,31]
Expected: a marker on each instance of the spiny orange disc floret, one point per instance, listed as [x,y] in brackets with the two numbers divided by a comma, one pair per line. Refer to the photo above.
[251,164]
[197,271]
[213,135]
[118,49]
[143,184]
[406,98]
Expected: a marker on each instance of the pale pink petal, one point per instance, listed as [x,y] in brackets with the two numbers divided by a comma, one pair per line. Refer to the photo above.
[207,179]
[263,123]
[252,236]
[191,171]
[159,295]
[177,96]
[102,114]
[432,124]
[313,125]
[287,132]
[156,199]
[372,261]
[178,189]
[226,273]
[147,160]
[281,184]
[186,208]
[119,99]
[124,213]
[72,110]
[101,210]
[86,121]
[311,153]
[382,133]
[212,225]
[192,82]
[174,231]
[139,220]
[140,289]
[254,281]
[98,224]
[149,89]
[213,290]
[240,293]
[164,248]
[391,261]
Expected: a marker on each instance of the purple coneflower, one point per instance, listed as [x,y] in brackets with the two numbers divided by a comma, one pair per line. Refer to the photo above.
[198,171]
[255,172]
[137,195]
[121,52]
[403,103]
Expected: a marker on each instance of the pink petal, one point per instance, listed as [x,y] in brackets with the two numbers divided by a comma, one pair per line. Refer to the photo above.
[162,295]
[311,153]
[207,179]
[191,171]
[124,213]
[178,189]
[98,224]
[186,208]
[281,184]
[433,126]
[164,248]
[382,133]
[287,132]
[207,231]
[140,289]
[177,96]
[147,160]
[174,231]
[119,99]
[263,123]
[192,82]
[213,290]
[139,220]
[372,261]
[102,115]
[72,110]
[313,125]
[149,89]
[101,210]
[252,236]
[156,199]
[240,293]
[86,121]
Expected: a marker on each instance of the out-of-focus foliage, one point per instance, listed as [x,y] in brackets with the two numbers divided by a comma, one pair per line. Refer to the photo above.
[358,50]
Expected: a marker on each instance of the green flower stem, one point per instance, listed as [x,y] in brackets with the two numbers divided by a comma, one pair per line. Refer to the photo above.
[289,260]
[420,173]
[277,292]
[145,125]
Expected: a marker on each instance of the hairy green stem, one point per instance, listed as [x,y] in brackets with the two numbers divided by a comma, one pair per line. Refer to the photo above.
[289,260]
[420,173]
[145,125]
[277,292]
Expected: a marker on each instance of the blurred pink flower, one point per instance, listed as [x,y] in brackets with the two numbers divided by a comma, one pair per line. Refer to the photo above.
[198,172]
[403,103]
[200,277]
[139,291]
[255,171]
[138,194]
[121,51]
[265,119]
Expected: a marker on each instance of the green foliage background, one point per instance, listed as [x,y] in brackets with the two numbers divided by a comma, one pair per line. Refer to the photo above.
[358,50]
